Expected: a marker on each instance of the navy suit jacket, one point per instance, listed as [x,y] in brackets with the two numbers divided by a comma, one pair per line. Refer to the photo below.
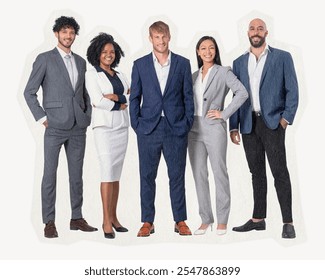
[278,91]
[147,101]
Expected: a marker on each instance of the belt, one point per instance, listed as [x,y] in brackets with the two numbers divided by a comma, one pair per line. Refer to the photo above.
[257,113]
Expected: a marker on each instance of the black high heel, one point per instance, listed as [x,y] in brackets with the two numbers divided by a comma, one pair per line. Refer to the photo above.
[109,235]
[120,229]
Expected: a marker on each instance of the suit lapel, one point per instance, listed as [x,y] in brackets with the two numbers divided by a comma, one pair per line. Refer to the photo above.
[173,65]
[61,66]
[245,78]
[212,74]
[79,67]
[267,64]
[195,76]
[152,72]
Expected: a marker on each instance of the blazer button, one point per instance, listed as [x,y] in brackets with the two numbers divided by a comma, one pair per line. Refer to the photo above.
[205,99]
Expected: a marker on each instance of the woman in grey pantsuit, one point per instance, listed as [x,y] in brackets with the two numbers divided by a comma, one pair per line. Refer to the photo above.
[208,136]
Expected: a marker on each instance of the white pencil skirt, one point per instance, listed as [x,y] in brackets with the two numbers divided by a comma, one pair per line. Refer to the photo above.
[111,147]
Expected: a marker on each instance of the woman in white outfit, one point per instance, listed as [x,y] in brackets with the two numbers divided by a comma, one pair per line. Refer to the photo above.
[108,90]
[208,136]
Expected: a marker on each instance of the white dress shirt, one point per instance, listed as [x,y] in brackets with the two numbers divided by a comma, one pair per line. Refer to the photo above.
[255,69]
[199,88]
[162,72]
[74,67]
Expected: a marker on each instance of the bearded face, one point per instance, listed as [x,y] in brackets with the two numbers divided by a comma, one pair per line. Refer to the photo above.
[257,33]
[257,41]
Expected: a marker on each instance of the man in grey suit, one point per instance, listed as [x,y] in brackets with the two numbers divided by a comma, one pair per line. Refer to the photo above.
[269,76]
[66,114]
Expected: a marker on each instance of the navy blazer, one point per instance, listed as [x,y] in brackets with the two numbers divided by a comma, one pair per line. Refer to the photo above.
[147,101]
[278,91]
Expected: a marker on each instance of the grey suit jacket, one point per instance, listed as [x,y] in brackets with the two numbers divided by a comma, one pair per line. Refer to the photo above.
[220,80]
[62,105]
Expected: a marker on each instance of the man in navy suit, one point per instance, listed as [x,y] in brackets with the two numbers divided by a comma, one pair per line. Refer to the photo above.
[161,112]
[269,76]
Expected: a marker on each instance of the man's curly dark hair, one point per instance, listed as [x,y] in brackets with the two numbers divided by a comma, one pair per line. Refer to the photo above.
[97,45]
[64,22]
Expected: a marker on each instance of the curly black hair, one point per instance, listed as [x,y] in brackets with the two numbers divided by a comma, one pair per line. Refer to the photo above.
[217,59]
[63,22]
[97,45]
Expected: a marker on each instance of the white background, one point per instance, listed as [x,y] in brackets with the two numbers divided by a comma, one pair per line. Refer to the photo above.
[27,30]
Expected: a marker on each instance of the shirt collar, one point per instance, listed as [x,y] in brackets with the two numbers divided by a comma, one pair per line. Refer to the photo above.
[201,69]
[63,53]
[155,60]
[100,69]
[267,49]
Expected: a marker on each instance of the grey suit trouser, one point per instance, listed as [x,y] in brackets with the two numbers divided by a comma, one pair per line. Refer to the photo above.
[206,140]
[74,142]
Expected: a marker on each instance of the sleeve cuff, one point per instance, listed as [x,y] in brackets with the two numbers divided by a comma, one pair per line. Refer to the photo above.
[42,120]
[116,106]
[122,99]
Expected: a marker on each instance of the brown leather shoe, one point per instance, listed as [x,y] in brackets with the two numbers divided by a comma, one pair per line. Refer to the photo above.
[50,230]
[81,224]
[146,230]
[182,228]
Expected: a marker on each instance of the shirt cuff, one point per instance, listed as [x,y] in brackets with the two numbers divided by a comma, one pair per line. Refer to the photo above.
[286,120]
[42,120]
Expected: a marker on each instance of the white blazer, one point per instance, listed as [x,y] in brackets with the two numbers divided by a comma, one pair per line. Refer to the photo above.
[97,85]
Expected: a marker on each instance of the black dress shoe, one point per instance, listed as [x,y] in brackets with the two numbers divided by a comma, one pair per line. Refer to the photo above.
[288,231]
[120,229]
[250,225]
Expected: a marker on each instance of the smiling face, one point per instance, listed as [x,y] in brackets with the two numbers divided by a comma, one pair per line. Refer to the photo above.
[257,33]
[66,37]
[207,52]
[160,42]
[107,56]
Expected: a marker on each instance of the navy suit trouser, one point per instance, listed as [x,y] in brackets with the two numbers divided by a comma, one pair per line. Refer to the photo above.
[173,147]
[260,142]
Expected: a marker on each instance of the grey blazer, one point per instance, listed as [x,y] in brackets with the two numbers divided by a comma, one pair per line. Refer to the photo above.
[220,80]
[62,105]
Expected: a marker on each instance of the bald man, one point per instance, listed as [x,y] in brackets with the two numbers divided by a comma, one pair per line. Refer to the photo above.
[269,76]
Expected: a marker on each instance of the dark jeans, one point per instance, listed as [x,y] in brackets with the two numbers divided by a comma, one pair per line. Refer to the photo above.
[259,142]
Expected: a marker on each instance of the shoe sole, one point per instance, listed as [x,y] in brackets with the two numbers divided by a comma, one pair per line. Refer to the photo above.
[177,231]
[151,232]
[76,228]
[118,230]
[288,236]
[258,229]
[52,236]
